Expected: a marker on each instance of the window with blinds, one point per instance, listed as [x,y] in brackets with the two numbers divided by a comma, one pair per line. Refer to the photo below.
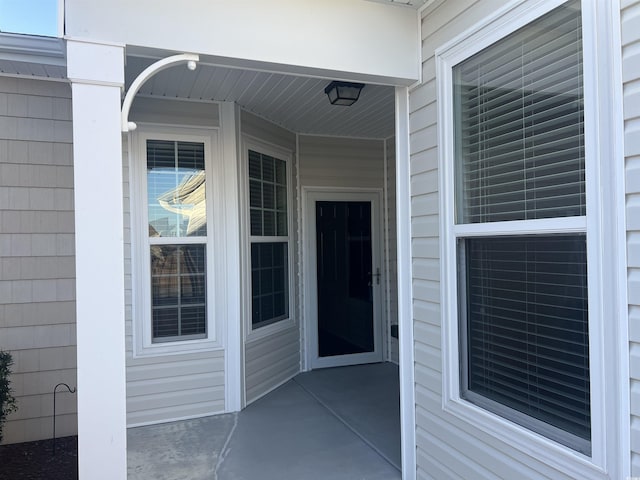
[177,214]
[519,155]
[520,124]
[526,322]
[178,291]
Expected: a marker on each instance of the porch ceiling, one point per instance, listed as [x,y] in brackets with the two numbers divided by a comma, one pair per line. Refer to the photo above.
[296,103]
[404,3]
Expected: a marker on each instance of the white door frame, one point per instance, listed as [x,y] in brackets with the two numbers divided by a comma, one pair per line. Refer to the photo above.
[310,196]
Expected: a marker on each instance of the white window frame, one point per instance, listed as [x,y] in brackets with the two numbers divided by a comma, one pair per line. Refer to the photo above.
[143,344]
[265,148]
[605,242]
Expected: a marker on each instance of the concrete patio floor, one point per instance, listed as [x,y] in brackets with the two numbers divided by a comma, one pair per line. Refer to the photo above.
[340,423]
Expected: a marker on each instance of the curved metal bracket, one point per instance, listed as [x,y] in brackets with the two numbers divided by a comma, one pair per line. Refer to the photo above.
[188,58]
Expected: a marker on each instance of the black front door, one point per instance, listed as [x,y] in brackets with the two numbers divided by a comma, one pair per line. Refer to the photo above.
[344,267]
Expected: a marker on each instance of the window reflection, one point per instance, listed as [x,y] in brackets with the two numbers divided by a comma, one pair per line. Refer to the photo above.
[176,189]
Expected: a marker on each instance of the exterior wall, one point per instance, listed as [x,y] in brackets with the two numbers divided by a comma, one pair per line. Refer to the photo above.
[266,131]
[630,15]
[447,447]
[272,360]
[359,163]
[292,34]
[174,112]
[392,246]
[37,267]
[168,387]
[344,163]
[341,162]
[162,388]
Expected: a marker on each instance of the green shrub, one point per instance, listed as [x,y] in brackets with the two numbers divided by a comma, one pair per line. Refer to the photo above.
[7,402]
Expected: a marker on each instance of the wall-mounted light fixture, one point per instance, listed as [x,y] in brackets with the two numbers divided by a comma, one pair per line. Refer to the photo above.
[343,93]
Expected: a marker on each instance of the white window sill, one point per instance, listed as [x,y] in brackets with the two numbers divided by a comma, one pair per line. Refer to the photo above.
[176,348]
[268,330]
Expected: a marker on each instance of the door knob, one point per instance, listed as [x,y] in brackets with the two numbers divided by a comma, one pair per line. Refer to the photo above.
[376,275]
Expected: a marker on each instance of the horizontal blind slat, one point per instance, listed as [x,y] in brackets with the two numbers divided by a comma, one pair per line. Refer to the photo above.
[507,54]
[522,98]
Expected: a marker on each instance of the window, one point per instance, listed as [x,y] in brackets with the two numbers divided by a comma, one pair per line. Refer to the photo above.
[176,189]
[520,230]
[269,238]
[173,268]
[524,325]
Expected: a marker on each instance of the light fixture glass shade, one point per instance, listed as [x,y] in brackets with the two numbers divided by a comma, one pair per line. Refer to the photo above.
[343,93]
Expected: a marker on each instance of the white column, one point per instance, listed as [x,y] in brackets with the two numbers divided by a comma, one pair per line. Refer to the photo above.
[97,75]
[234,344]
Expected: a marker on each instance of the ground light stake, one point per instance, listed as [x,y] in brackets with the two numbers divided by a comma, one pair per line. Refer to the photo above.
[70,390]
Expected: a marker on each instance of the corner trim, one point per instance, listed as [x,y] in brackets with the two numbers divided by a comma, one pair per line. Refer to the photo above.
[405,277]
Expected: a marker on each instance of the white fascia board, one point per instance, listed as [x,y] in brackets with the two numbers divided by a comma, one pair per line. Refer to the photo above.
[353,36]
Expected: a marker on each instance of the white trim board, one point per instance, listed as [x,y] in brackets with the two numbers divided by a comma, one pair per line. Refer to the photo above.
[405,276]
[234,354]
[385,258]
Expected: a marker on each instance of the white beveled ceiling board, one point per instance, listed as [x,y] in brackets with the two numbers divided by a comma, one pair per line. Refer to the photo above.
[296,103]
[32,69]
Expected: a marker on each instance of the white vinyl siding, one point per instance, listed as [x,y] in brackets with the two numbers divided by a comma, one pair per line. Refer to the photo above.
[272,359]
[172,111]
[164,388]
[174,387]
[439,445]
[341,162]
[37,254]
[266,131]
[630,15]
